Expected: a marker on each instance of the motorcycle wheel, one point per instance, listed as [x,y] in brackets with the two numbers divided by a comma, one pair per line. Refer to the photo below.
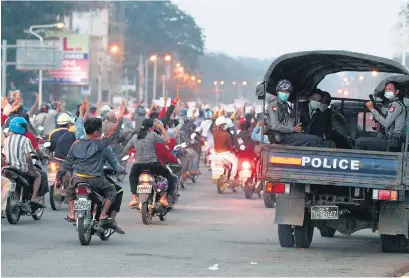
[248,190]
[146,215]
[39,212]
[13,210]
[54,203]
[194,178]
[84,234]
[220,185]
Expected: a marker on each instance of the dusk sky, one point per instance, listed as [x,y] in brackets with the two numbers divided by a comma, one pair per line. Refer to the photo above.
[265,29]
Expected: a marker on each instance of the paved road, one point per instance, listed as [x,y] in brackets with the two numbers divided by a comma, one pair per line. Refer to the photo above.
[205,230]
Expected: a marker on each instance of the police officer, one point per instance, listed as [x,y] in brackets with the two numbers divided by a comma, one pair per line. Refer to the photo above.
[281,121]
[393,123]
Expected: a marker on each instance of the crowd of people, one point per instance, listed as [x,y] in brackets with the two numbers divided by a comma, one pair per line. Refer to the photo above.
[83,142]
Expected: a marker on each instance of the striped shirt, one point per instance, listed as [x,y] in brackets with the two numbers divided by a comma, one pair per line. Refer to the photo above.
[16,147]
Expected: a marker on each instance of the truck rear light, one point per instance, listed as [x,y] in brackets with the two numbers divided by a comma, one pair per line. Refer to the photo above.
[385,195]
[278,188]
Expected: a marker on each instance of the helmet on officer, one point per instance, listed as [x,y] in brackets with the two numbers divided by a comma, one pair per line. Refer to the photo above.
[18,125]
[284,89]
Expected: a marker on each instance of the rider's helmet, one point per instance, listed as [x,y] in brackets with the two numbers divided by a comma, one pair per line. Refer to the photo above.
[221,120]
[18,125]
[106,108]
[284,85]
[229,124]
[208,115]
[182,113]
[64,119]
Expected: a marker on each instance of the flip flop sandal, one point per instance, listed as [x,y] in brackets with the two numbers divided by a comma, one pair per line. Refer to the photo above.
[69,219]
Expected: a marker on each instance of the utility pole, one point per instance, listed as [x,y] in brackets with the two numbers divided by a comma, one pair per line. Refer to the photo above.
[141,81]
[126,83]
[146,83]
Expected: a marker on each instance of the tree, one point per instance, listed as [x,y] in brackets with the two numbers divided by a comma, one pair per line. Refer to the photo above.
[402,31]
[160,27]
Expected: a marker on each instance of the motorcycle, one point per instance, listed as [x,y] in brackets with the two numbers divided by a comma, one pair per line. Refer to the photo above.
[20,194]
[247,173]
[87,200]
[180,152]
[150,189]
[221,170]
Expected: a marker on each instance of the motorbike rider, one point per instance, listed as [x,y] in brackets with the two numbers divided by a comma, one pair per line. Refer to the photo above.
[223,145]
[62,138]
[17,150]
[108,156]
[144,143]
[86,160]
[5,182]
[40,118]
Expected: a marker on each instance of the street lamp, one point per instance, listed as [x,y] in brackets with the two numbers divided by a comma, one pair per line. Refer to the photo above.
[244,83]
[154,60]
[361,77]
[58,25]
[222,83]
[193,78]
[215,82]
[199,81]
[178,65]
[233,83]
[168,58]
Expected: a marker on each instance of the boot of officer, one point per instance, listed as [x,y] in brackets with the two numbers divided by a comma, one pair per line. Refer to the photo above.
[393,123]
[282,128]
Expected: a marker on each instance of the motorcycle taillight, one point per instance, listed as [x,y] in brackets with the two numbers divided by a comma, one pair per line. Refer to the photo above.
[145,178]
[82,190]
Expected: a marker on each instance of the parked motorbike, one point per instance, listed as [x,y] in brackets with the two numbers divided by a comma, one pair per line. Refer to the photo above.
[150,189]
[87,200]
[20,194]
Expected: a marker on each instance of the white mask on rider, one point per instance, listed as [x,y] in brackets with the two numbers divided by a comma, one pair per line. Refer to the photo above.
[314,105]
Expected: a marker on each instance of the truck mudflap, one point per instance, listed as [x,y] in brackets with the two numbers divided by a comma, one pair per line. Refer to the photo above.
[394,218]
[290,208]
[332,166]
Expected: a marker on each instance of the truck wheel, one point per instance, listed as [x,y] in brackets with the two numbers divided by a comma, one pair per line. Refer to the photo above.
[268,200]
[285,235]
[327,232]
[394,244]
[303,234]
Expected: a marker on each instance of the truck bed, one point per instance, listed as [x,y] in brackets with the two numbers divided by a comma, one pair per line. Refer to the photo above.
[369,169]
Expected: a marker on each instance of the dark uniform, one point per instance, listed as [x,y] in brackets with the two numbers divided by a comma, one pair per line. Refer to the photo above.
[394,125]
[281,123]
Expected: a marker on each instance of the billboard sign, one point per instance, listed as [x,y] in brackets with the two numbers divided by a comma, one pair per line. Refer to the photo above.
[39,55]
[75,64]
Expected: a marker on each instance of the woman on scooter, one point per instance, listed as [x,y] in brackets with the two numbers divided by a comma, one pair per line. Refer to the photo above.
[144,143]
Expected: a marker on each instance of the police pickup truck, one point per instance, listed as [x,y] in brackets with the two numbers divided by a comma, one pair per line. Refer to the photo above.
[342,190]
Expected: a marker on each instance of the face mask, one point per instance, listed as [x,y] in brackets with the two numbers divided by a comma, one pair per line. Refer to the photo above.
[283,96]
[389,95]
[314,104]
[324,107]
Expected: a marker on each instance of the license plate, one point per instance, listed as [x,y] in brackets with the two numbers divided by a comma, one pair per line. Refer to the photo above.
[82,205]
[52,177]
[245,174]
[144,189]
[324,212]
[13,186]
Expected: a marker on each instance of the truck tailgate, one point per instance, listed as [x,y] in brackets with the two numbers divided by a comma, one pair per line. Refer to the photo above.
[332,166]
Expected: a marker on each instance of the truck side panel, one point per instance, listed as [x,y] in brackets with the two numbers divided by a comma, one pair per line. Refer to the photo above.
[332,166]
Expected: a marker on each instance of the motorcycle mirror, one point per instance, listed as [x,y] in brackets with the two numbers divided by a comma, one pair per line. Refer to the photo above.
[6,130]
[40,128]
[242,147]
[193,136]
[184,145]
[125,158]
[46,144]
